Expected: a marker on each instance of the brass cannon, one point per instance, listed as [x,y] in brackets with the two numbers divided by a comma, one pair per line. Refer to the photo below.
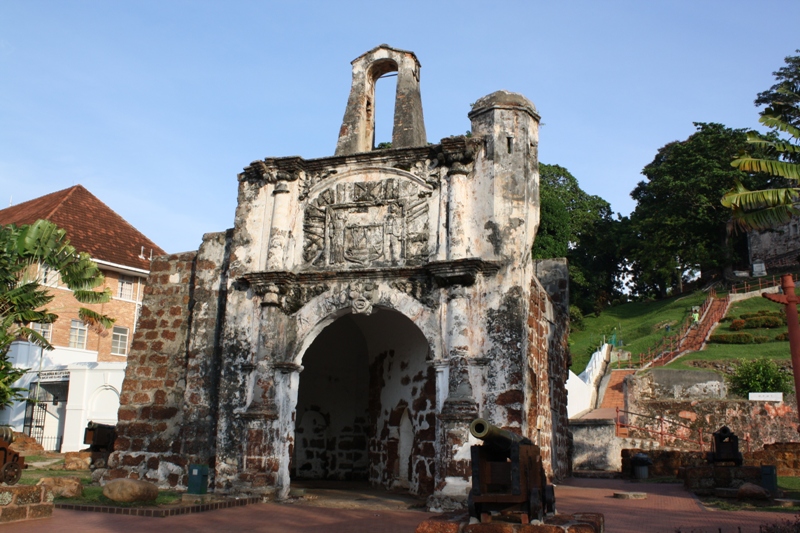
[507,476]
[12,462]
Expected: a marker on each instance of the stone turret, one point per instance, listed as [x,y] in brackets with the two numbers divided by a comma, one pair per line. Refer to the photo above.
[357,134]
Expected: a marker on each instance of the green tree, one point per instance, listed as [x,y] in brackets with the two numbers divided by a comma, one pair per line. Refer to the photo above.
[678,227]
[775,98]
[580,227]
[24,252]
[778,154]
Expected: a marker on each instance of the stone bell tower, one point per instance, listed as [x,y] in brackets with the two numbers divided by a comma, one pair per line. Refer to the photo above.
[363,309]
[358,127]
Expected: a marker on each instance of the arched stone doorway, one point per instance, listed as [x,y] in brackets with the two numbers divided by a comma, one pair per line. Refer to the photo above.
[366,404]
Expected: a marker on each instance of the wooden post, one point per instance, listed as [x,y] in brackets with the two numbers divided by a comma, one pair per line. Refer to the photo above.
[790,300]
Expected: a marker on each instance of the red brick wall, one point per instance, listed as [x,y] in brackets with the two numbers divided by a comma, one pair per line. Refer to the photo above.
[547,367]
[149,428]
[123,311]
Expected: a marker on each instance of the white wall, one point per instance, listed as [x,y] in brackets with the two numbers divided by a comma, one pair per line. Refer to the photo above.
[93,396]
[582,390]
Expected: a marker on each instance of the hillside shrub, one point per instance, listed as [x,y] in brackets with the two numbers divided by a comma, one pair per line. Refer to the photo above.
[763,322]
[737,325]
[575,318]
[759,375]
[732,338]
[760,339]
[763,312]
[782,336]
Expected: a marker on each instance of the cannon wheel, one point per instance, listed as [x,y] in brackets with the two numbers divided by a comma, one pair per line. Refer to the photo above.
[535,509]
[550,500]
[11,473]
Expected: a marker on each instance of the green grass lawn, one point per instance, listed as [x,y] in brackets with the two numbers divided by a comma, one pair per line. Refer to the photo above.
[790,487]
[31,476]
[638,325]
[728,352]
[732,352]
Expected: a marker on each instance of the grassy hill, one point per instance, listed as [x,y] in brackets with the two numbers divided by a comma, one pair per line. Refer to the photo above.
[778,350]
[640,325]
[637,325]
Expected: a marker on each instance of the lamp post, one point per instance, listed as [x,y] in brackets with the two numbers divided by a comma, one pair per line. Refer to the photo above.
[790,300]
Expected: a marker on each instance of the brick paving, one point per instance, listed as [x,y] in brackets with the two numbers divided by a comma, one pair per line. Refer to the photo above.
[614,397]
[667,509]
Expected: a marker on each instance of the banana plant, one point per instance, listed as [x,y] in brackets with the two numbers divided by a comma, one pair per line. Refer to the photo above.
[758,210]
[24,252]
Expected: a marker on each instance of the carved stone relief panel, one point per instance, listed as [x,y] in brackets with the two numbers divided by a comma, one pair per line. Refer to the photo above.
[367,223]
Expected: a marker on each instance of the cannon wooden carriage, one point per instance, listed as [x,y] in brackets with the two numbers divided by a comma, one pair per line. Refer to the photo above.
[12,462]
[508,476]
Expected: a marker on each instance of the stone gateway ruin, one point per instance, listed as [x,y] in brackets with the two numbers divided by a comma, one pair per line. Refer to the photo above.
[363,310]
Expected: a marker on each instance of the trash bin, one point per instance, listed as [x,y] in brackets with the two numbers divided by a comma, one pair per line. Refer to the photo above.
[769,479]
[198,479]
[640,463]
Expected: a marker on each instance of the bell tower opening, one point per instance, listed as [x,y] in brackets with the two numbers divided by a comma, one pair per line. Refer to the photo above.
[366,404]
[384,106]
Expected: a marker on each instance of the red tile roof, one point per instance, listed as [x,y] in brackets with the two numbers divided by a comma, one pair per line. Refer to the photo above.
[91,226]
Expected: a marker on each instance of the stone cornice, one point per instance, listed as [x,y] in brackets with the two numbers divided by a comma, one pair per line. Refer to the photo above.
[444,273]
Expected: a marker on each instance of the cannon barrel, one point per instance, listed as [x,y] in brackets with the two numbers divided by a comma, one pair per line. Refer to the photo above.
[499,440]
[7,434]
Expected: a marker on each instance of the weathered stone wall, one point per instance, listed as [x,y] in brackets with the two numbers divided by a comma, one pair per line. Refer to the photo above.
[148,442]
[548,367]
[778,248]
[785,456]
[415,261]
[595,445]
[24,502]
[761,422]
[167,415]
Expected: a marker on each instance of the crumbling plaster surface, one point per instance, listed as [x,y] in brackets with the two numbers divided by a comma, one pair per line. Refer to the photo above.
[430,240]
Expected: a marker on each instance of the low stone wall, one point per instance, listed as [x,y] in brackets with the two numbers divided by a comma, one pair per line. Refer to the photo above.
[25,502]
[785,456]
[665,462]
[704,479]
[595,445]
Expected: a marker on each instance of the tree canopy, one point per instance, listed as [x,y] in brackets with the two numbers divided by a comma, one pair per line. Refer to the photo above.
[678,226]
[24,252]
[786,107]
[578,226]
[777,154]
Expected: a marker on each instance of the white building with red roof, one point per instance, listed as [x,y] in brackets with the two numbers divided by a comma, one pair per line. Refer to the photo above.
[81,379]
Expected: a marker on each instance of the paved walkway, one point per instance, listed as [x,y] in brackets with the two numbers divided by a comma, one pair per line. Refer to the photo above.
[614,395]
[668,509]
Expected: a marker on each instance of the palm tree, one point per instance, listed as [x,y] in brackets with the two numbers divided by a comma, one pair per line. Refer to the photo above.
[24,252]
[758,210]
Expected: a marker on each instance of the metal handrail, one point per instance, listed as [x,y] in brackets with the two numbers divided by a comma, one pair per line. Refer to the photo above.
[762,284]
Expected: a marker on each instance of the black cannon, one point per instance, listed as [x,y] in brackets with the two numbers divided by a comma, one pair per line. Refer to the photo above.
[12,462]
[100,437]
[507,476]
[726,448]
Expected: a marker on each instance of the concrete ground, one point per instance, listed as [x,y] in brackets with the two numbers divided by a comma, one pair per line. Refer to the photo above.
[668,508]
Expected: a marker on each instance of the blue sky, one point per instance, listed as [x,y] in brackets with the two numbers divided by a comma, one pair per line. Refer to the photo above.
[155,106]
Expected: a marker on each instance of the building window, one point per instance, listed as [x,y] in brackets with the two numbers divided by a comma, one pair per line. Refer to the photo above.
[77,335]
[119,341]
[45,330]
[125,288]
[50,277]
